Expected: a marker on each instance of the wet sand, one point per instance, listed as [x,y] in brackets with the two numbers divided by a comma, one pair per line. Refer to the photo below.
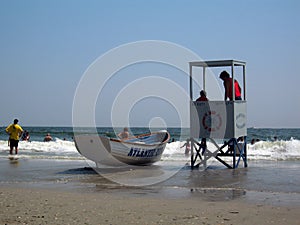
[40,206]
[66,192]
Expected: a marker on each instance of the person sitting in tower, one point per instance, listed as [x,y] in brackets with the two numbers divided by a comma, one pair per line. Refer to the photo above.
[202,97]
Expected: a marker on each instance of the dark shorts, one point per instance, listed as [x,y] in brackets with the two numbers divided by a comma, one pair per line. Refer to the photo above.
[13,143]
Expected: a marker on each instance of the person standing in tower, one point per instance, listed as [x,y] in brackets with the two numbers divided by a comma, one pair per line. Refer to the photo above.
[227,82]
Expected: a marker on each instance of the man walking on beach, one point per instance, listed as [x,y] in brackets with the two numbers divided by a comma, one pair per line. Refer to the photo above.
[15,131]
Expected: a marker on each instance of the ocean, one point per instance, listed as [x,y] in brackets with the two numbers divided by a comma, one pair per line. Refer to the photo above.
[272,175]
[273,144]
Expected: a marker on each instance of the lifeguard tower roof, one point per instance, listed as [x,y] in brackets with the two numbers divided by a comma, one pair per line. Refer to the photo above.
[218,63]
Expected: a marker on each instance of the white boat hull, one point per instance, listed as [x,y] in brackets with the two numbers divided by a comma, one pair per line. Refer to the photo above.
[141,150]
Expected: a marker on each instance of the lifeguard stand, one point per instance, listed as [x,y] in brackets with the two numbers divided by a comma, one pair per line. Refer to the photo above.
[216,121]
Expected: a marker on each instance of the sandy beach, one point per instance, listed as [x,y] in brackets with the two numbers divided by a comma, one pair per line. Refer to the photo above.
[40,206]
[66,192]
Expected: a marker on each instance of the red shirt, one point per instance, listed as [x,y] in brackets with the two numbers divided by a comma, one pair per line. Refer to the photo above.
[228,88]
[202,99]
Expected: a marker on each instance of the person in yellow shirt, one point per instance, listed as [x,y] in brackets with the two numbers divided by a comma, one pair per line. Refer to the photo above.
[15,131]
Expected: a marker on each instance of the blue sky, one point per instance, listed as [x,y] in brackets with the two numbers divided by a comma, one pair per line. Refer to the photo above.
[46,46]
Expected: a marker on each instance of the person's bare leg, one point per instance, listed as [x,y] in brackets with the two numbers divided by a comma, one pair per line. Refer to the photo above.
[16,148]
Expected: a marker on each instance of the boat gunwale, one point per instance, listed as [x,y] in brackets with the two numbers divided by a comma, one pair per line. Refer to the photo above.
[127,141]
[143,135]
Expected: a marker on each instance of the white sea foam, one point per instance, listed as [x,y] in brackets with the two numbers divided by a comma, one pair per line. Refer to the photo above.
[275,150]
[262,150]
[60,149]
